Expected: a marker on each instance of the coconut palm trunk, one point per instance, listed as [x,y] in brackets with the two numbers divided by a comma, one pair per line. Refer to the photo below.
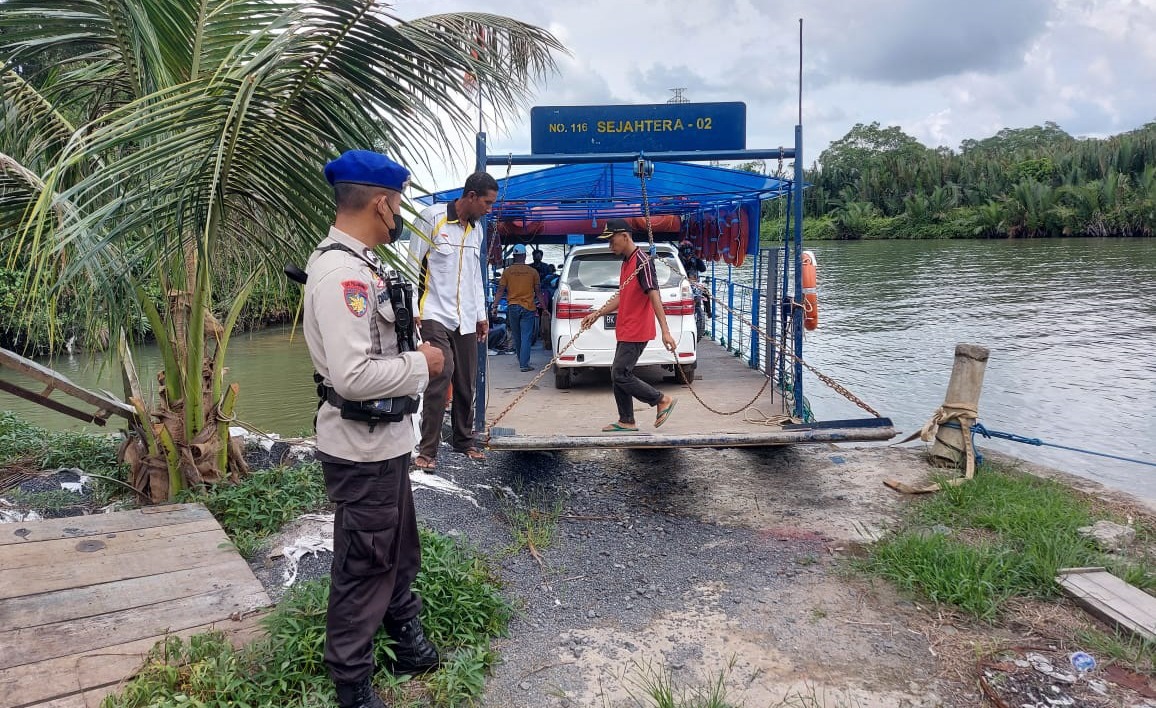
[145,139]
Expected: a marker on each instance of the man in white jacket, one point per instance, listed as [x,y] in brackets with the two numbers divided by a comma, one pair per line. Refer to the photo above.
[446,250]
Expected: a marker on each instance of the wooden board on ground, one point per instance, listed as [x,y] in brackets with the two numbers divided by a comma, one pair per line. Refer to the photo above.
[1111,599]
[547,418]
[83,600]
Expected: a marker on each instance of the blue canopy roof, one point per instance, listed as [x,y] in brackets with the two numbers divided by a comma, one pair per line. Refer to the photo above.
[600,190]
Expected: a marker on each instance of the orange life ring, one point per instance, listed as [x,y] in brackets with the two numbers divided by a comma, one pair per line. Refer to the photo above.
[810,292]
[727,237]
[742,237]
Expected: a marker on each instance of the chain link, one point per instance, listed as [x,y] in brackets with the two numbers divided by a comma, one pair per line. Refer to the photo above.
[838,388]
[681,375]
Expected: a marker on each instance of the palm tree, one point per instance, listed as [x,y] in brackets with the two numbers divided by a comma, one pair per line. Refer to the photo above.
[166,132]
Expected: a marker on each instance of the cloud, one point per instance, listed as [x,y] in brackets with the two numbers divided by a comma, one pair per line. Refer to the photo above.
[905,41]
[943,71]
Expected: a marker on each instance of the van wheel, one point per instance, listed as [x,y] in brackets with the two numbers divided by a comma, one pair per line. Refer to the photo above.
[562,378]
[684,374]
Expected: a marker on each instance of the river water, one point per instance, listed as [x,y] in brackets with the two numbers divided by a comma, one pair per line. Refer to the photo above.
[1071,325]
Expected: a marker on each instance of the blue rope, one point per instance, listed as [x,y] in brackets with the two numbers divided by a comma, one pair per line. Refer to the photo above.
[978,427]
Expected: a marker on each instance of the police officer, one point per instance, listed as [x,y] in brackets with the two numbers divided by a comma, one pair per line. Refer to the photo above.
[369,381]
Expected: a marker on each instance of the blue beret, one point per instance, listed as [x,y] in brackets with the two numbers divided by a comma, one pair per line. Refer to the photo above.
[367,167]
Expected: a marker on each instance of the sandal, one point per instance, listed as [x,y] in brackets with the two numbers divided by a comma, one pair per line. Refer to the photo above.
[425,463]
[619,428]
[474,454]
[664,413]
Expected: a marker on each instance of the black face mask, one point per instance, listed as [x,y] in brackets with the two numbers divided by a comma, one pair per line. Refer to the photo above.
[398,225]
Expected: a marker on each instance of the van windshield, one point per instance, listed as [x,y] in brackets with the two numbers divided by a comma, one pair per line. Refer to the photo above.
[599,271]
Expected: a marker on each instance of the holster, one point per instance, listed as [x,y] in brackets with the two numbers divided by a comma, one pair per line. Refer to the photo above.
[381,410]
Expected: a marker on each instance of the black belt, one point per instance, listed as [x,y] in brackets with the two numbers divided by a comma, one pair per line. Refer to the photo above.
[381,410]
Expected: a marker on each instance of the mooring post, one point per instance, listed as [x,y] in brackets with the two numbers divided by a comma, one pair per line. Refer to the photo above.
[962,395]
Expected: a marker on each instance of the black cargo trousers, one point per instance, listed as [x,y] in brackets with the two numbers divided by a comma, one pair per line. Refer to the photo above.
[376,556]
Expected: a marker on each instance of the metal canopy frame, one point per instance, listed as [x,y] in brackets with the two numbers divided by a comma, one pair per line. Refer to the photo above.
[792,242]
[592,191]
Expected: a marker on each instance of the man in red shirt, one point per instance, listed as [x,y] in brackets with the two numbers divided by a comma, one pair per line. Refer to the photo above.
[638,303]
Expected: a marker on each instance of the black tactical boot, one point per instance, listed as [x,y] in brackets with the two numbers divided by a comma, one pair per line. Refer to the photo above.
[358,694]
[415,654]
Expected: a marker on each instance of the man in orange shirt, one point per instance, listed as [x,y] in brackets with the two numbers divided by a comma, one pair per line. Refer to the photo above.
[523,289]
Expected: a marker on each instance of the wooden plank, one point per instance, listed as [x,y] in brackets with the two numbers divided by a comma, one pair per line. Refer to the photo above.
[153,558]
[41,400]
[1128,600]
[80,603]
[96,524]
[45,375]
[34,644]
[110,544]
[1113,600]
[93,674]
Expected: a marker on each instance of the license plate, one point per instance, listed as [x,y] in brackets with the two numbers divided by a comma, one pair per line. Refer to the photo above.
[610,321]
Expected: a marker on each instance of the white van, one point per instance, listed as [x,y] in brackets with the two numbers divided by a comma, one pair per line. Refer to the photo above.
[589,279]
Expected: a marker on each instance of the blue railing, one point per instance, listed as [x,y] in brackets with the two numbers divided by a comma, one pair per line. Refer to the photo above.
[745,302]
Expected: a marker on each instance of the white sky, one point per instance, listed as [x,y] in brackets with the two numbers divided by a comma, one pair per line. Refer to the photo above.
[942,70]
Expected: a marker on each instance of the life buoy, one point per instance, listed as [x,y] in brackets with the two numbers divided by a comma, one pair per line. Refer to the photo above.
[810,292]
[659,223]
[711,231]
[726,231]
[742,242]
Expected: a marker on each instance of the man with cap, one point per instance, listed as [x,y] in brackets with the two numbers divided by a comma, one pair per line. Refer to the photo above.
[446,250]
[369,380]
[638,304]
[524,289]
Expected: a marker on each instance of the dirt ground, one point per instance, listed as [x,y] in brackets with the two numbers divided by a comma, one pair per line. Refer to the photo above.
[729,565]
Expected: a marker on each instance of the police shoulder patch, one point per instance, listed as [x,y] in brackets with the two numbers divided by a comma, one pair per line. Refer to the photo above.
[356,294]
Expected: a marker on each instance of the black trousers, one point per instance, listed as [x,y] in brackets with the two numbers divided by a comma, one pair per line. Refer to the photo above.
[376,556]
[627,386]
[461,368]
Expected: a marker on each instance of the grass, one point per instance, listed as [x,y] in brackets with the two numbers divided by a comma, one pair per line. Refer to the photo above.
[463,610]
[651,687]
[813,697]
[533,524]
[47,502]
[262,502]
[1004,535]
[23,444]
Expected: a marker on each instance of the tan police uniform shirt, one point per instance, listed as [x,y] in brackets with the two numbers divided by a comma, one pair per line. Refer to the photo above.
[349,329]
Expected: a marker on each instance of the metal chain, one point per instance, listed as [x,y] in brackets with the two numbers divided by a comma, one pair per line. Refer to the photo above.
[646,206]
[557,355]
[839,388]
[680,374]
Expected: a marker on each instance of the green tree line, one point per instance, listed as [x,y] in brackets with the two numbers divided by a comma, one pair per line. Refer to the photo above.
[1036,182]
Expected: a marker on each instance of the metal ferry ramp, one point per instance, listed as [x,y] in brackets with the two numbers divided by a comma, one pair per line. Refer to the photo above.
[550,419]
[749,387]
